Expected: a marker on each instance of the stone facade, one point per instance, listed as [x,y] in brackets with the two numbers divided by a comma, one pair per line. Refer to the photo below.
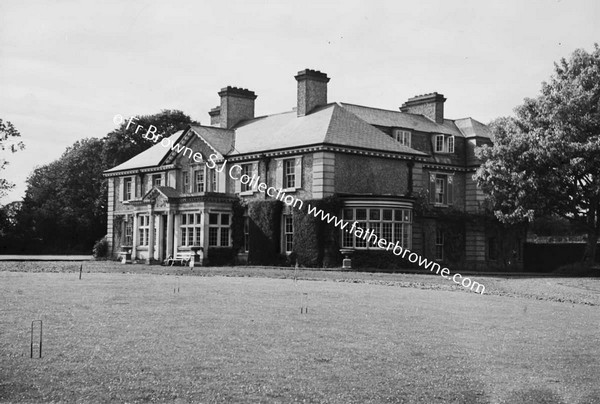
[407,174]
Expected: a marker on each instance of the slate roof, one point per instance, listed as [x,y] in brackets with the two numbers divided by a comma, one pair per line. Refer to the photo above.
[472,128]
[220,139]
[331,124]
[384,117]
[148,158]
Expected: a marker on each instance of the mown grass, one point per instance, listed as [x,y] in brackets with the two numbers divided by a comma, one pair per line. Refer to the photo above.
[114,337]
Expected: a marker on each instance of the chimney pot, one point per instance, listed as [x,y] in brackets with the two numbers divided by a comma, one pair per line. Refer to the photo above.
[237,104]
[431,105]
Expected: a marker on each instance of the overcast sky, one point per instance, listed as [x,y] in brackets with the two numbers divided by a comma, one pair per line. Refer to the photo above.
[67,67]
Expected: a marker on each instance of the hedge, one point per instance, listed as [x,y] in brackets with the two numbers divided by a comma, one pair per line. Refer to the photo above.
[265,219]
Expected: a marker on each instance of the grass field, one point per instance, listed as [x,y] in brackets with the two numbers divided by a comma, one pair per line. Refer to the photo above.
[237,335]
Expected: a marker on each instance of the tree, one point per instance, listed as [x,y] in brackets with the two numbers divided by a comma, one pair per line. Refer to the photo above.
[64,208]
[8,135]
[546,159]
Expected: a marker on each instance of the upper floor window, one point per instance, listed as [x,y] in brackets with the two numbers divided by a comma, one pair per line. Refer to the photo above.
[246,170]
[127,189]
[186,181]
[199,179]
[156,180]
[289,173]
[212,176]
[444,144]
[441,189]
[403,136]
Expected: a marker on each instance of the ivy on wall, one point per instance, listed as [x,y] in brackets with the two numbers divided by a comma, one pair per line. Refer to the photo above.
[264,232]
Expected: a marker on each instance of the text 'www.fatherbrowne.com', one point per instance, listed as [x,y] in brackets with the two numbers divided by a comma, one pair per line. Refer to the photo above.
[254,182]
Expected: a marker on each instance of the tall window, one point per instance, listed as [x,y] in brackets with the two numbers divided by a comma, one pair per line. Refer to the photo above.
[156,180]
[218,230]
[288,233]
[199,180]
[246,170]
[441,189]
[129,232]
[186,181]
[246,234]
[439,244]
[144,229]
[212,175]
[191,229]
[289,173]
[444,144]
[403,136]
[127,189]
[390,224]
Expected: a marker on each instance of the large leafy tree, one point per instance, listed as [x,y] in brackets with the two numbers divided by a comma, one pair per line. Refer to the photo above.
[546,159]
[10,143]
[64,208]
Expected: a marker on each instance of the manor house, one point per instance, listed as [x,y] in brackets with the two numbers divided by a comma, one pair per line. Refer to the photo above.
[405,173]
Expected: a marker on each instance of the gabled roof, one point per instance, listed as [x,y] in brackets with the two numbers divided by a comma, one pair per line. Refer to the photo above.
[398,119]
[148,158]
[221,140]
[472,128]
[167,192]
[331,124]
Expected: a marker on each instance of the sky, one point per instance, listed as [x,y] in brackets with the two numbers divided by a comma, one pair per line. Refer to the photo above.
[68,67]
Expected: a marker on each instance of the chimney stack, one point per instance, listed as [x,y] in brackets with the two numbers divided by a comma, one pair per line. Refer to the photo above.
[312,90]
[237,104]
[215,116]
[431,105]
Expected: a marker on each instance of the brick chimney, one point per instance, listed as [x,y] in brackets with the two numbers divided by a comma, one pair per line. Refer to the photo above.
[215,116]
[312,90]
[431,105]
[237,104]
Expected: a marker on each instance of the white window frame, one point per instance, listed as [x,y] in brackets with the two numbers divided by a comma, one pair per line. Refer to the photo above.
[156,177]
[220,228]
[397,227]
[288,233]
[404,137]
[144,230]
[196,170]
[444,144]
[291,165]
[190,223]
[246,189]
[128,195]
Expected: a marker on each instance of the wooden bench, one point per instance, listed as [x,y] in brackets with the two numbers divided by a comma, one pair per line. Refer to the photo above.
[183,258]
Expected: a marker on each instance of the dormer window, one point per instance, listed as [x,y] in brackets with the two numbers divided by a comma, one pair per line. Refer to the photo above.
[403,136]
[444,144]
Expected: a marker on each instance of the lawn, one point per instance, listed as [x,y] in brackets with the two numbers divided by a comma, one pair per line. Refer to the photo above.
[367,338]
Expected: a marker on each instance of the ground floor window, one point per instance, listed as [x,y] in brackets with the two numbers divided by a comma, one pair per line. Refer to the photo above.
[144,229]
[439,244]
[218,230]
[288,233]
[191,229]
[129,232]
[246,234]
[393,225]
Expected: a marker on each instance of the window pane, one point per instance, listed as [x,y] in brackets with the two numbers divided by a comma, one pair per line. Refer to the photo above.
[224,237]
[184,236]
[361,214]
[348,214]
[198,218]
[359,241]
[197,235]
[386,231]
[387,214]
[183,219]
[374,214]
[213,218]
[212,236]
[398,215]
[398,233]
[225,219]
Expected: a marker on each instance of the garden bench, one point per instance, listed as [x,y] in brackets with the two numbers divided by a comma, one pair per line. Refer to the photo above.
[183,258]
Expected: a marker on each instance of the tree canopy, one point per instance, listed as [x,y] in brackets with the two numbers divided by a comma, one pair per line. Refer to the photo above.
[546,159]
[64,208]
[8,142]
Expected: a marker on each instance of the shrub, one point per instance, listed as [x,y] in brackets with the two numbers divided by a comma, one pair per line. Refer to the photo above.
[265,218]
[100,250]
